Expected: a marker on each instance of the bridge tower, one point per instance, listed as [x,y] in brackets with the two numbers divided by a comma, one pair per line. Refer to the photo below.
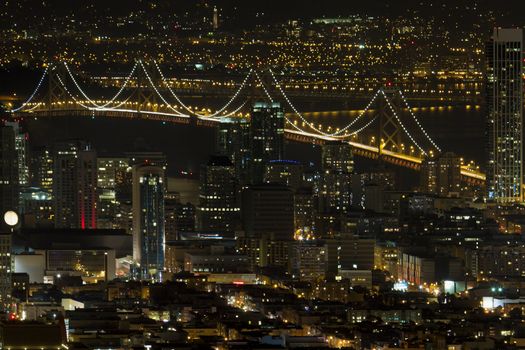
[144,94]
[257,92]
[389,131]
[57,94]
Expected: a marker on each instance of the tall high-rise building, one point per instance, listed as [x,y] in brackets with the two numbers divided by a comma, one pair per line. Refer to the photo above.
[268,210]
[428,182]
[21,151]
[215,18]
[233,141]
[334,190]
[109,171]
[504,58]
[304,210]
[266,137]
[75,185]
[285,172]
[442,175]
[9,186]
[148,221]
[6,268]
[42,169]
[382,179]
[217,210]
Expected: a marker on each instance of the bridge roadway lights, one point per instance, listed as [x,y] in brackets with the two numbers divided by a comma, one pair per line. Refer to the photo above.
[367,153]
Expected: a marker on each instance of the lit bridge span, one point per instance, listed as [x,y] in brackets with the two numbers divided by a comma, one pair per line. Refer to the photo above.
[382,130]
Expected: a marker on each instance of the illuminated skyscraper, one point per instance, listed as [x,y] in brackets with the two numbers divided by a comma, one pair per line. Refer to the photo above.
[233,141]
[442,175]
[21,151]
[504,57]
[6,268]
[266,137]
[217,210]
[75,185]
[9,186]
[42,169]
[109,171]
[148,221]
[335,187]
[284,172]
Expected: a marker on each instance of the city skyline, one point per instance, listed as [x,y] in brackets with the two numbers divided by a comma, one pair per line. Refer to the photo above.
[223,174]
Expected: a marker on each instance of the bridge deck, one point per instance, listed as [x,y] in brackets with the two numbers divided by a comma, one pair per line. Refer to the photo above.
[400,159]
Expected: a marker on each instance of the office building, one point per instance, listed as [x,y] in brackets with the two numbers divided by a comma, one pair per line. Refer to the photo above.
[284,172]
[185,214]
[233,141]
[349,252]
[441,176]
[42,169]
[148,221]
[429,175]
[266,137]
[6,269]
[381,179]
[110,171]
[304,210]
[36,207]
[217,210]
[268,210]
[21,152]
[171,203]
[334,190]
[504,58]
[9,185]
[308,260]
[75,185]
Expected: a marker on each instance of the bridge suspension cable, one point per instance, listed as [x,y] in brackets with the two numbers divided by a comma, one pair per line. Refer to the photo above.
[177,112]
[99,108]
[328,135]
[128,78]
[33,94]
[334,134]
[71,95]
[400,122]
[271,100]
[219,111]
[418,123]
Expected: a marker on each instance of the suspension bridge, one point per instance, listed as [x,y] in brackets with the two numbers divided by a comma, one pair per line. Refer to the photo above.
[382,130]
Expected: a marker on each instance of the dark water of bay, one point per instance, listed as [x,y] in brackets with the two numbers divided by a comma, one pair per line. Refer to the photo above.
[457,129]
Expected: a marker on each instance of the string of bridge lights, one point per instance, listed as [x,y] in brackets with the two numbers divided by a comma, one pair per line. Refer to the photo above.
[219,111]
[271,100]
[400,122]
[33,94]
[93,109]
[417,122]
[301,130]
[126,81]
[116,108]
[71,95]
[177,112]
[334,135]
[310,124]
